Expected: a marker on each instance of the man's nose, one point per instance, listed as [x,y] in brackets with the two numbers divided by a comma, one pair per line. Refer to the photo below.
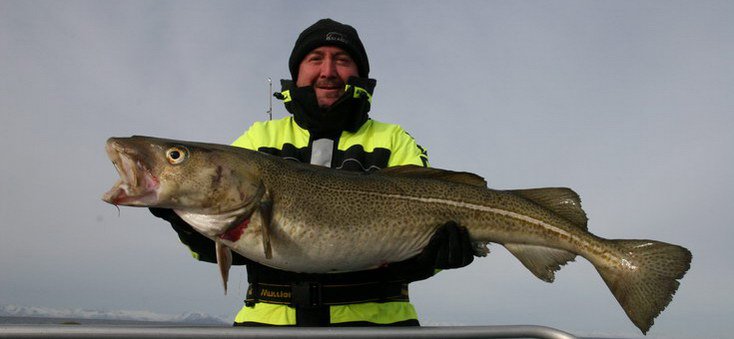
[328,69]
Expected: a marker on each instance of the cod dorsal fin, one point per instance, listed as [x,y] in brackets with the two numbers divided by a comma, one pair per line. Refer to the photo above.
[563,201]
[435,173]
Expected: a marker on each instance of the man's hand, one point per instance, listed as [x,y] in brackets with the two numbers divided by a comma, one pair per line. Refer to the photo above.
[449,247]
[180,226]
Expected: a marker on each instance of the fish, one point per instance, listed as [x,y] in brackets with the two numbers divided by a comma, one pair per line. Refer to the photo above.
[305,218]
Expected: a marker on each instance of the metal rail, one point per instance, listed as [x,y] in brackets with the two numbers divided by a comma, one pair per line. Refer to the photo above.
[83,331]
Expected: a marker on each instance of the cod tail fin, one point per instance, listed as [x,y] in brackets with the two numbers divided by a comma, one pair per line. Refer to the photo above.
[646,278]
[224,261]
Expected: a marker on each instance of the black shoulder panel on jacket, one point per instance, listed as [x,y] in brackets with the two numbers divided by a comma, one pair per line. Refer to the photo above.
[356,159]
[289,152]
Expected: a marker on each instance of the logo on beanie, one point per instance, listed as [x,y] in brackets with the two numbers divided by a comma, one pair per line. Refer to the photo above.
[335,36]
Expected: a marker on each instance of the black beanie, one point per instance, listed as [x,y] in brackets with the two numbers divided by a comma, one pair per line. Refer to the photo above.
[327,32]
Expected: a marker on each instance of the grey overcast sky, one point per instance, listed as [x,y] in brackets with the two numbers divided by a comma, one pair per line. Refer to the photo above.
[627,102]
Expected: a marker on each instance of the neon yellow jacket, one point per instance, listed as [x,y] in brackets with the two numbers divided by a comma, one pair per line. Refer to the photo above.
[373,146]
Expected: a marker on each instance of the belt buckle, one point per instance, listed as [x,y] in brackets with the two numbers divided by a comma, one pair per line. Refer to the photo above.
[306,294]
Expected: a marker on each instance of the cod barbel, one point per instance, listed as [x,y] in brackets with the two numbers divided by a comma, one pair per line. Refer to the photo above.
[305,218]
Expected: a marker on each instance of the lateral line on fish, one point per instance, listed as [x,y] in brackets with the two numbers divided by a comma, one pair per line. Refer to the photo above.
[497,211]
[483,208]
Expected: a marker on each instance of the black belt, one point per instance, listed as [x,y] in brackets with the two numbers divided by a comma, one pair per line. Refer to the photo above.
[314,294]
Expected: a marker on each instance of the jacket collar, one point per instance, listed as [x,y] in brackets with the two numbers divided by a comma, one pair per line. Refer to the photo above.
[348,113]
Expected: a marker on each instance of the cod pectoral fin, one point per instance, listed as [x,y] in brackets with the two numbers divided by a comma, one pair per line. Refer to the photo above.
[224,261]
[266,212]
[542,261]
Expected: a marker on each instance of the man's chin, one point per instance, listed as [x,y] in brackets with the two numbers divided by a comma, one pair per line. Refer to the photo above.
[326,102]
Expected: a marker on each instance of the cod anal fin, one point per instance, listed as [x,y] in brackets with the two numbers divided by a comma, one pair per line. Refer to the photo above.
[266,212]
[224,261]
[542,261]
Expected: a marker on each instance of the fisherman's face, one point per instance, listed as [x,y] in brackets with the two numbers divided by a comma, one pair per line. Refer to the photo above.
[327,68]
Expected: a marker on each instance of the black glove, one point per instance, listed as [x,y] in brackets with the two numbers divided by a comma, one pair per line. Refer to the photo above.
[449,247]
[197,243]
[183,229]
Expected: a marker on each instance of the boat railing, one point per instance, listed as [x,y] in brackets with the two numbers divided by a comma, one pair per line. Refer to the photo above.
[448,332]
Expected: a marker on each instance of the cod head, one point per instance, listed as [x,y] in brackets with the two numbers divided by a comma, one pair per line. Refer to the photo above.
[193,177]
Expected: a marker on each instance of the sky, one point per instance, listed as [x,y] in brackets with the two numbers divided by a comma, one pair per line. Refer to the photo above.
[628,103]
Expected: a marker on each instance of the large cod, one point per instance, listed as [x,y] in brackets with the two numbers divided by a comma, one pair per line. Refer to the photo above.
[305,218]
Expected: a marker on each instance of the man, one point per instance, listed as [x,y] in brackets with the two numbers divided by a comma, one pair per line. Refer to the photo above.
[329,98]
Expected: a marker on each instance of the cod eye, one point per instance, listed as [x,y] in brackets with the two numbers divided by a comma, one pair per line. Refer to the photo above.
[176,155]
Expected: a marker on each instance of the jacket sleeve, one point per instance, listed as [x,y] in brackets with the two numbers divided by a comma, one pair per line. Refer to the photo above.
[245,140]
[406,150]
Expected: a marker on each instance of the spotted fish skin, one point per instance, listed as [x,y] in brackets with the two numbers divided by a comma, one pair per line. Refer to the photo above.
[305,218]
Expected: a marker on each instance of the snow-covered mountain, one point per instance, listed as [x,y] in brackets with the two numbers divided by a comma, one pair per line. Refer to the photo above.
[46,312]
